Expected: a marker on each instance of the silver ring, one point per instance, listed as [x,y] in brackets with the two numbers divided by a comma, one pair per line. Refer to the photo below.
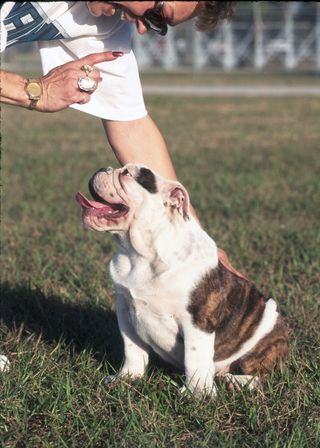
[87,84]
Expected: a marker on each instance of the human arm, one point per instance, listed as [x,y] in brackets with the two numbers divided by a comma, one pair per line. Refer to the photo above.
[140,141]
[59,86]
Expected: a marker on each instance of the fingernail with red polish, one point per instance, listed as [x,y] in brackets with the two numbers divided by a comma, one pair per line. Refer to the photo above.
[117,53]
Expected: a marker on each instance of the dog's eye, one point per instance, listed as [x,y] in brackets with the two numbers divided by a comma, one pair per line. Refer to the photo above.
[126,173]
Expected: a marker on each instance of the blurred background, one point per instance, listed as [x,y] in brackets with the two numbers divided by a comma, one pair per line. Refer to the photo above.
[264,35]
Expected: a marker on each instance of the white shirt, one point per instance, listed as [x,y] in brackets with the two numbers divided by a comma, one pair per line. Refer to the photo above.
[66,31]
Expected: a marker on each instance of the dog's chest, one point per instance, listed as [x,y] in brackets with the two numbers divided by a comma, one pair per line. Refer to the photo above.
[154,324]
[157,303]
[157,322]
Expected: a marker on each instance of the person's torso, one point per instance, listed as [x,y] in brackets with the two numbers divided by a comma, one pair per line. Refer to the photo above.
[45,21]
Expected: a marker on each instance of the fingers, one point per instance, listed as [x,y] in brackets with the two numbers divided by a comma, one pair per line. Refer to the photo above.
[84,98]
[60,85]
[61,89]
[90,59]
[95,74]
[95,58]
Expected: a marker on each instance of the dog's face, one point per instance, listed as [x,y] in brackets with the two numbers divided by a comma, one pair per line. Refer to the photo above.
[134,192]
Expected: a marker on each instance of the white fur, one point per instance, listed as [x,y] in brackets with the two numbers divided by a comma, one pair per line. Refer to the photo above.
[154,304]
[162,254]
[4,363]
[238,381]
[198,359]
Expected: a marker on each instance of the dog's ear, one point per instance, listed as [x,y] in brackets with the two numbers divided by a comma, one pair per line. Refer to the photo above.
[178,199]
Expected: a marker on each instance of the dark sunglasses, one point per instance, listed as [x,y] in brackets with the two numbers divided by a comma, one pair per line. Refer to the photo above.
[153,19]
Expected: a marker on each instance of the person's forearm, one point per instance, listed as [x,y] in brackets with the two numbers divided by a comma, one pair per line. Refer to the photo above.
[140,141]
[13,89]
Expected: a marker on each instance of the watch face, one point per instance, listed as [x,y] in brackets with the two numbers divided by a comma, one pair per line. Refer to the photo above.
[34,89]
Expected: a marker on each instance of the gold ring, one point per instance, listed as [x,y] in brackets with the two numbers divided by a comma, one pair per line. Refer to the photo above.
[87,68]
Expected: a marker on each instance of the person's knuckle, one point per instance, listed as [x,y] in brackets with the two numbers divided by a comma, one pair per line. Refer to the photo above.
[80,95]
[96,74]
[71,72]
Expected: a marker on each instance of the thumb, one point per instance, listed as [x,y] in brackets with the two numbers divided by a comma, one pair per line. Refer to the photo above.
[95,58]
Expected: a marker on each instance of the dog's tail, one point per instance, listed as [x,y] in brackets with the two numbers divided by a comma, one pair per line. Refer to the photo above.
[224,260]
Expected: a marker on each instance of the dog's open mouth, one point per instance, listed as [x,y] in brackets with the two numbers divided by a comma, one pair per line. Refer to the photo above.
[101,208]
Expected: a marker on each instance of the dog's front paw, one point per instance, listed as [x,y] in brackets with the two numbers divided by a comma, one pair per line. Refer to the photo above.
[200,388]
[122,375]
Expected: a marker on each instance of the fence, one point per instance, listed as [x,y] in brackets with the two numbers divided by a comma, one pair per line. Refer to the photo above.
[261,34]
[265,34]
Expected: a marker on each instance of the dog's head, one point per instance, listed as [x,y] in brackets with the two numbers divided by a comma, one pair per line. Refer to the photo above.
[132,193]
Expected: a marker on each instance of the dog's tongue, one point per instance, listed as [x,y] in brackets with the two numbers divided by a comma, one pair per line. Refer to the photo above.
[85,203]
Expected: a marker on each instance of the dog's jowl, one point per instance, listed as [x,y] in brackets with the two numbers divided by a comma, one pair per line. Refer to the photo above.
[173,296]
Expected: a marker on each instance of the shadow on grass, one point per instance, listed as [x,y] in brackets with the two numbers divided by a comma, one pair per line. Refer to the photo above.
[81,326]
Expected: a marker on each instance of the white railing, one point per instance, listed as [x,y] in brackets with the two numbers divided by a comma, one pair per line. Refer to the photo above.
[290,38]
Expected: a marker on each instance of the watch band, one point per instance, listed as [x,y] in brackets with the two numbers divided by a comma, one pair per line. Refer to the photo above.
[33,104]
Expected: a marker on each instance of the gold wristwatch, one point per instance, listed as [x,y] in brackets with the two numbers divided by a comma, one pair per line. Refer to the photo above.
[34,92]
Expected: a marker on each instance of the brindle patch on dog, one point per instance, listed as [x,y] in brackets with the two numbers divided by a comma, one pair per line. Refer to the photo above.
[267,353]
[233,307]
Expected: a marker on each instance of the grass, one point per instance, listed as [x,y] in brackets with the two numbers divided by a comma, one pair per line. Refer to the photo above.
[243,77]
[252,169]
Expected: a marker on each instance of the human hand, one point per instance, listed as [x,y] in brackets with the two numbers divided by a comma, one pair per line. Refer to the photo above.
[60,85]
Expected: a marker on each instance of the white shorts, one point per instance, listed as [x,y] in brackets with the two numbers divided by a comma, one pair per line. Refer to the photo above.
[66,31]
[119,95]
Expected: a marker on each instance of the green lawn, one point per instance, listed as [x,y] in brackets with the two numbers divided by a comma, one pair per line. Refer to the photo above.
[252,169]
[244,77]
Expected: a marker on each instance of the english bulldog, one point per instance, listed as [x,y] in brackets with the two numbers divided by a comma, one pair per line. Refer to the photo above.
[172,294]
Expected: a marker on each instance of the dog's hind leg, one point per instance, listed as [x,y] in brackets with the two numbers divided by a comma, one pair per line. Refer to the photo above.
[239,381]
